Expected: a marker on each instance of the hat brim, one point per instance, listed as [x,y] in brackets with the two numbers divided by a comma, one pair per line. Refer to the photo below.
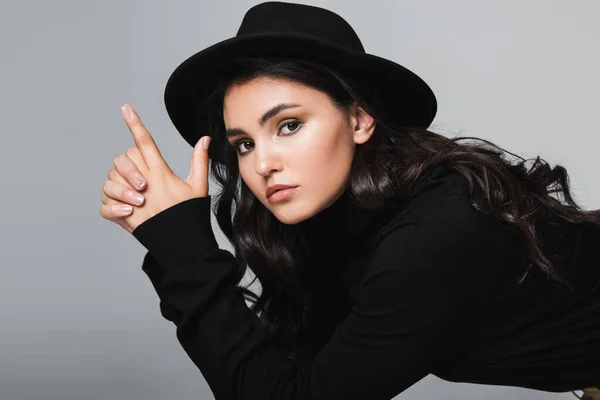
[401,95]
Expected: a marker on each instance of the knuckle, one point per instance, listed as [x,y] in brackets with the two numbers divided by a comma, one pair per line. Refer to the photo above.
[104,212]
[116,159]
[115,176]
[145,140]
[131,150]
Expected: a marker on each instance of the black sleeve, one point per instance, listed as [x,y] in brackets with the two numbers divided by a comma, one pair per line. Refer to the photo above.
[429,288]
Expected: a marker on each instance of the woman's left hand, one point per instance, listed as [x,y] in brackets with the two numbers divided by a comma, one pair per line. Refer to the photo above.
[164,188]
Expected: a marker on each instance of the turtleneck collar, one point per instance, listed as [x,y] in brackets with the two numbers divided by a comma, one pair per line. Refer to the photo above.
[339,223]
[344,222]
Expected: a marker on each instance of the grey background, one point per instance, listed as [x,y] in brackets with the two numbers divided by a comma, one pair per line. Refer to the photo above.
[79,319]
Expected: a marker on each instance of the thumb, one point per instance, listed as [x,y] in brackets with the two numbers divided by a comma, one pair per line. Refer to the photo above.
[198,176]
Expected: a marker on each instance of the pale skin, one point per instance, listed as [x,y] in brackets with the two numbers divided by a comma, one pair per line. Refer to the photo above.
[164,188]
[310,146]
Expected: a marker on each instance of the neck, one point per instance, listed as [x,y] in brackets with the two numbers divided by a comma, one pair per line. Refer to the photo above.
[333,227]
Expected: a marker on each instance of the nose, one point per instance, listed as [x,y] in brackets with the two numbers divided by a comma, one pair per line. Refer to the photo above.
[267,160]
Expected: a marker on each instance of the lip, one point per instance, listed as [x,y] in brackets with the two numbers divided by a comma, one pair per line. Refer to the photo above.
[283,194]
[272,189]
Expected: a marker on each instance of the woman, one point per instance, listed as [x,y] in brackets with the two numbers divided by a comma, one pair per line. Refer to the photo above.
[395,253]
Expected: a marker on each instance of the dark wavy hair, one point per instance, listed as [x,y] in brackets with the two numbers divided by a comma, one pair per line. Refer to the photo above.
[382,171]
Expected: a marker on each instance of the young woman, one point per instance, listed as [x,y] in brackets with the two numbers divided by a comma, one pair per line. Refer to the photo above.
[393,253]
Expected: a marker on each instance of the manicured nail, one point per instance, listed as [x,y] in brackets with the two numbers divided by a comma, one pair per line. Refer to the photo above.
[140,183]
[206,142]
[125,209]
[125,111]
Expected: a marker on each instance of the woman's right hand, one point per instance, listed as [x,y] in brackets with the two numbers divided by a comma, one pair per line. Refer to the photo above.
[122,186]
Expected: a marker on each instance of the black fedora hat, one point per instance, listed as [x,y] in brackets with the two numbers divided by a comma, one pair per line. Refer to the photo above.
[281,29]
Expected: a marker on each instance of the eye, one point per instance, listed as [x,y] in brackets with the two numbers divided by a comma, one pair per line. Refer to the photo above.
[285,124]
[290,123]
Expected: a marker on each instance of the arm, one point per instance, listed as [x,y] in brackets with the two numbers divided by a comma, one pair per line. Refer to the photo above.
[425,299]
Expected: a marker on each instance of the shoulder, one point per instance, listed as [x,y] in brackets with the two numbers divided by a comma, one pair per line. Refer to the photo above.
[437,182]
[440,199]
[438,228]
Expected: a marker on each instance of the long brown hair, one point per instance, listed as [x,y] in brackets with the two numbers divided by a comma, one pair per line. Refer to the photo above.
[382,170]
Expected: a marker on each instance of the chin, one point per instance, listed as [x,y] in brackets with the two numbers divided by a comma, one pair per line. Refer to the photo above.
[290,219]
[290,214]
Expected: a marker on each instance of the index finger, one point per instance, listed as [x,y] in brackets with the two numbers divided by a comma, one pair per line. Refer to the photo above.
[143,139]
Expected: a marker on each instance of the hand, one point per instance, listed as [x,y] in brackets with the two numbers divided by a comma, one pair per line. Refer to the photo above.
[121,187]
[164,187]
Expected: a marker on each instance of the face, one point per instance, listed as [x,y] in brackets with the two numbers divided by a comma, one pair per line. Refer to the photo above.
[310,145]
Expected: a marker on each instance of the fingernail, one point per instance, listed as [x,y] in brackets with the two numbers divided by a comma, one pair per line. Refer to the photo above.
[138,198]
[140,183]
[206,142]
[125,111]
[125,209]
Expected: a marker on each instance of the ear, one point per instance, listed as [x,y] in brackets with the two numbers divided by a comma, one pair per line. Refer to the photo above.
[362,124]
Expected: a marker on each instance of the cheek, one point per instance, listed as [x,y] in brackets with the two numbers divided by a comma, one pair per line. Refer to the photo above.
[250,178]
[320,161]
[330,162]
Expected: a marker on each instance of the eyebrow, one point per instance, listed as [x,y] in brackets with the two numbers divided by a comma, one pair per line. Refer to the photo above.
[262,120]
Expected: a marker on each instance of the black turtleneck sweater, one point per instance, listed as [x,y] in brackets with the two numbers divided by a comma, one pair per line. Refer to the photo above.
[433,284]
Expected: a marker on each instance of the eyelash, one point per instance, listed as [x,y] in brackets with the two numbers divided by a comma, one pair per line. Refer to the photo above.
[239,142]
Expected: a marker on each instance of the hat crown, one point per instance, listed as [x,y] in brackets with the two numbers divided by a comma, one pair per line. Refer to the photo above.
[287,30]
[299,19]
